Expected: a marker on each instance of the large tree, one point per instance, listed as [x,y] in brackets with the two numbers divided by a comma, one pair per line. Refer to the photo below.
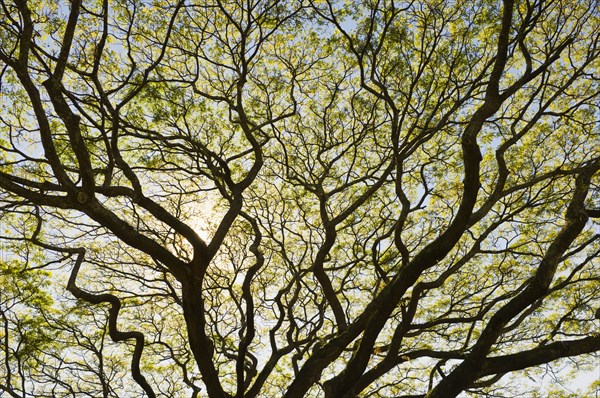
[297,198]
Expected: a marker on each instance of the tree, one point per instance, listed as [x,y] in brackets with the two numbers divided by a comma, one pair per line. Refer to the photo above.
[297,198]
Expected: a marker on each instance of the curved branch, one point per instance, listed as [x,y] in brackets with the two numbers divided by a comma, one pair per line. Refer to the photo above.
[115,334]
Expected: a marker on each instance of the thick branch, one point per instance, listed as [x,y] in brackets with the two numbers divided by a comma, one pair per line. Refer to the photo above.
[463,375]
[539,355]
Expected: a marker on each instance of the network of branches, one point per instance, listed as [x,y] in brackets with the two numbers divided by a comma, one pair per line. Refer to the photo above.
[299,198]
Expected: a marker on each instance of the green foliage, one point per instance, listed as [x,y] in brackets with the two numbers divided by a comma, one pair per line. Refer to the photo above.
[287,198]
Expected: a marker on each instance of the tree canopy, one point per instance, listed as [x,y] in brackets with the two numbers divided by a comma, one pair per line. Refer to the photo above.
[290,198]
